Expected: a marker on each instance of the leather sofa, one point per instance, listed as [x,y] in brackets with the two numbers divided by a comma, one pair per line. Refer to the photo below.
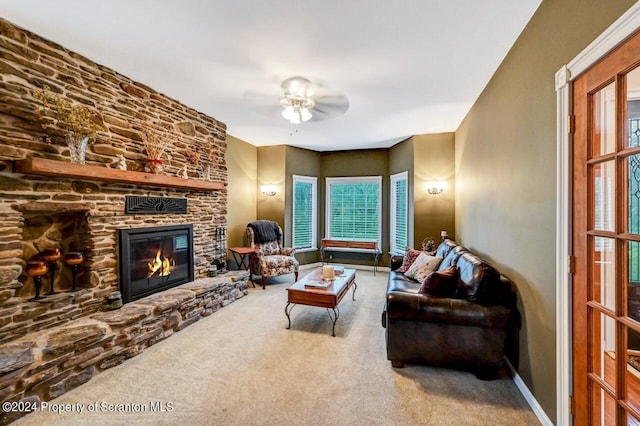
[473,330]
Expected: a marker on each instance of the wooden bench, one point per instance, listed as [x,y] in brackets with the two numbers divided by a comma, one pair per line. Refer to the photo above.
[353,246]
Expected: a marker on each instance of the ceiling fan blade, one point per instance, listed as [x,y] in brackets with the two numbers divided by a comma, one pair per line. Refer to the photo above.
[255,96]
[329,107]
[264,103]
[267,109]
[338,102]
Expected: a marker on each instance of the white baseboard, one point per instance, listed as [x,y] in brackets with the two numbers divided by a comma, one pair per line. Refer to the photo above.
[528,396]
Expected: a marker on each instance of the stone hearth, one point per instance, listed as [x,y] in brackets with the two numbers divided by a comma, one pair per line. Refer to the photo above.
[47,364]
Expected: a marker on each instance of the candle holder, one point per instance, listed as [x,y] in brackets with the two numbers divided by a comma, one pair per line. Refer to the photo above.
[36,269]
[51,256]
[73,259]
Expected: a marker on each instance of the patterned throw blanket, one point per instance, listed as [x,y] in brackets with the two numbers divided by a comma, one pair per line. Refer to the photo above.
[264,231]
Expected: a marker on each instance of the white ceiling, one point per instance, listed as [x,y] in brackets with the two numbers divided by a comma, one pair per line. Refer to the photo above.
[407,66]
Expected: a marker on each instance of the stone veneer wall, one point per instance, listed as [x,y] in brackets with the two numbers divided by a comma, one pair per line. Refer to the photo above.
[126,108]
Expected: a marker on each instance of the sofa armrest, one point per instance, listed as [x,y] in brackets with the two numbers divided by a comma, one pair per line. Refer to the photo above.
[420,307]
[396,261]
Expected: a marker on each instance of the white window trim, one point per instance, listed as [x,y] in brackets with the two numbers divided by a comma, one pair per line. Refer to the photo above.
[392,211]
[314,211]
[358,179]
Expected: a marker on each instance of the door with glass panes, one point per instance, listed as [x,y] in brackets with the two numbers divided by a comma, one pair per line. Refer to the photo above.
[606,240]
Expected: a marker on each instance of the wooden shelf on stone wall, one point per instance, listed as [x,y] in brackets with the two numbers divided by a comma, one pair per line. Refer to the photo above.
[44,167]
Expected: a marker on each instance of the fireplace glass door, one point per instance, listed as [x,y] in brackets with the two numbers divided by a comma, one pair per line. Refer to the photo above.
[155,259]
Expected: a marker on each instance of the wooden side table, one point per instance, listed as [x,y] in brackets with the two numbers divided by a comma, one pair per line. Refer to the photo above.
[243,257]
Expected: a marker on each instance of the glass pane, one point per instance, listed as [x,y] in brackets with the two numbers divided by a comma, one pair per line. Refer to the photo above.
[354,210]
[633,280]
[633,108]
[604,121]
[632,165]
[603,184]
[603,285]
[398,215]
[603,407]
[632,421]
[632,380]
[602,347]
[303,215]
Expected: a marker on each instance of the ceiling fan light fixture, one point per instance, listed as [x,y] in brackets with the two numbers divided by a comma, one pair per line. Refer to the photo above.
[296,108]
[288,112]
[301,101]
[305,114]
[295,117]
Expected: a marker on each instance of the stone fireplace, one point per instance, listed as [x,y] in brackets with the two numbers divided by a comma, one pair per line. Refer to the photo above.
[154,259]
[51,345]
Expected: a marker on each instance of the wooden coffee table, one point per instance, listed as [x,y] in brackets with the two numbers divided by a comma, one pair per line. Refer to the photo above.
[301,293]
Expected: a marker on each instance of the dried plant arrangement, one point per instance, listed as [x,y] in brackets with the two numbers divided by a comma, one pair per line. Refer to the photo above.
[192,157]
[155,144]
[210,158]
[76,120]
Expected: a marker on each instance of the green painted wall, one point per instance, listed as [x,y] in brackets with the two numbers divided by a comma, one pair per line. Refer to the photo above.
[242,168]
[401,160]
[434,160]
[301,162]
[505,157]
[424,157]
[271,171]
[368,162]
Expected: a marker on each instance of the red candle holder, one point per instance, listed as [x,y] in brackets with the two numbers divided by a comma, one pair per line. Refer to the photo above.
[36,269]
[73,259]
[51,256]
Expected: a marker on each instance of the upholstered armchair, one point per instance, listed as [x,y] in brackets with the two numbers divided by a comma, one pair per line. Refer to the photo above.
[270,259]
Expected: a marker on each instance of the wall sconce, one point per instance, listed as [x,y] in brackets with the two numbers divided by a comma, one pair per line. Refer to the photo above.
[435,187]
[268,190]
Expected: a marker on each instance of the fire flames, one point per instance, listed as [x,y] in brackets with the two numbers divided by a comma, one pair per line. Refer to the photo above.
[161,265]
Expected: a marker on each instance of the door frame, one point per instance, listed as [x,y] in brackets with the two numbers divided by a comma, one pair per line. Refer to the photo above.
[623,27]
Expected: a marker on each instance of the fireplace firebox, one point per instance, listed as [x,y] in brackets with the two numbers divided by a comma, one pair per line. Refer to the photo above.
[154,259]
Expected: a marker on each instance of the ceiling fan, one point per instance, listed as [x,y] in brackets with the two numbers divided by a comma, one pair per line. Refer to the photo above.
[300,100]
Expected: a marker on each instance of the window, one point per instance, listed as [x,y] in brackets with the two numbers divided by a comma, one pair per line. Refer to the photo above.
[399,216]
[305,206]
[354,208]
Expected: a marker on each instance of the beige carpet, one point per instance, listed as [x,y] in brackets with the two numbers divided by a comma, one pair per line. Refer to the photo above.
[241,366]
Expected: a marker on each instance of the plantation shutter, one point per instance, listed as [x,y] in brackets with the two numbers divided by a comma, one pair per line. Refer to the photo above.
[399,216]
[304,212]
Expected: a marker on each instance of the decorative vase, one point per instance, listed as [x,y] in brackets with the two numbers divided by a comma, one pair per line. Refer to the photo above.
[77,147]
[154,165]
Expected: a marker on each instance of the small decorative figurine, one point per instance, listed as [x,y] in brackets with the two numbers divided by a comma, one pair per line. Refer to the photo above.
[428,244]
[122,163]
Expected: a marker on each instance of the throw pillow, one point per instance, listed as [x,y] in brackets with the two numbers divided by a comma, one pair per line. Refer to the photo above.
[410,256]
[441,283]
[423,262]
[427,269]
